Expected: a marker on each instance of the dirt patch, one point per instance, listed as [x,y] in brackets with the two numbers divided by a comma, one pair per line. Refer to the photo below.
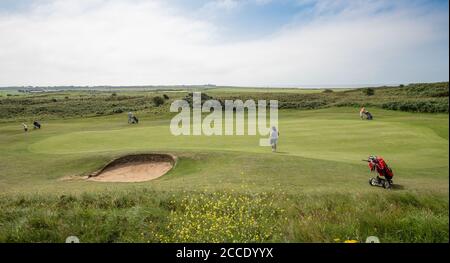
[135,168]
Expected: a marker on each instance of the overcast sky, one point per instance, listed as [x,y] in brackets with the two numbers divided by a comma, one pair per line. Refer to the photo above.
[223,42]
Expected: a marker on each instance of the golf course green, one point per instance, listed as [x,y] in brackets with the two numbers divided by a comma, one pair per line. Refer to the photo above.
[314,189]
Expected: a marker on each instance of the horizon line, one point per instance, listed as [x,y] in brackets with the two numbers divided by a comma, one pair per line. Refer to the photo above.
[314,86]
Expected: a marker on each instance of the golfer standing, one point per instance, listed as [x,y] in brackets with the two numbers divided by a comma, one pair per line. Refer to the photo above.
[130,117]
[274,134]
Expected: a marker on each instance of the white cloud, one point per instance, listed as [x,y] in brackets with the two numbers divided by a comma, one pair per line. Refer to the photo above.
[149,42]
[225,4]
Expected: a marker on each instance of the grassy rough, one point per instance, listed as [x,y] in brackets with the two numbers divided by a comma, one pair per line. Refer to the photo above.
[147,216]
[426,97]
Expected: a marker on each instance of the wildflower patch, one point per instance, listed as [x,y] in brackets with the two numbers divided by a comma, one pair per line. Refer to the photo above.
[224,217]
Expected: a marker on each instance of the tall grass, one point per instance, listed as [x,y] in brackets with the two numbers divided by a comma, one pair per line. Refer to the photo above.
[148,216]
[224,217]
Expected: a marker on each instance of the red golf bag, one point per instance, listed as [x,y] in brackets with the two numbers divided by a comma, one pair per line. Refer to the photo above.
[381,167]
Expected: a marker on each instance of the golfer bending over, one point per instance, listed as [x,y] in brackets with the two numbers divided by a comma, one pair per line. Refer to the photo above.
[362,112]
[274,138]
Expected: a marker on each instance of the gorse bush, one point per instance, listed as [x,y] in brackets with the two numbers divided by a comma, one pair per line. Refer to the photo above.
[430,98]
[428,90]
[430,106]
[204,97]
[309,105]
[369,91]
[427,97]
[63,106]
[158,101]
[224,217]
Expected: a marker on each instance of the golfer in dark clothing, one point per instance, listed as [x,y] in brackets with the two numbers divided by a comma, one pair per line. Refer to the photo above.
[36,125]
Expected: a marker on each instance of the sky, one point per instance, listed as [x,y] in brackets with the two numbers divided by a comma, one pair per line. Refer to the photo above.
[284,43]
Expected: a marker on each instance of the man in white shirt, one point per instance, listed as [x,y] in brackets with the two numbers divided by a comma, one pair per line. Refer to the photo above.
[274,134]
[130,117]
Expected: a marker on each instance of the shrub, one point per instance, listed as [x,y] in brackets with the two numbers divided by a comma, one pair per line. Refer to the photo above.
[166,97]
[417,106]
[369,91]
[190,98]
[118,110]
[158,101]
[328,91]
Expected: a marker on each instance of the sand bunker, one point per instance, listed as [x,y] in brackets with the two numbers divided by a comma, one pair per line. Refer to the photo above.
[135,168]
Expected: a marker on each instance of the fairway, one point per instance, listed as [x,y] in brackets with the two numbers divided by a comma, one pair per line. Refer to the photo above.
[327,139]
[319,155]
